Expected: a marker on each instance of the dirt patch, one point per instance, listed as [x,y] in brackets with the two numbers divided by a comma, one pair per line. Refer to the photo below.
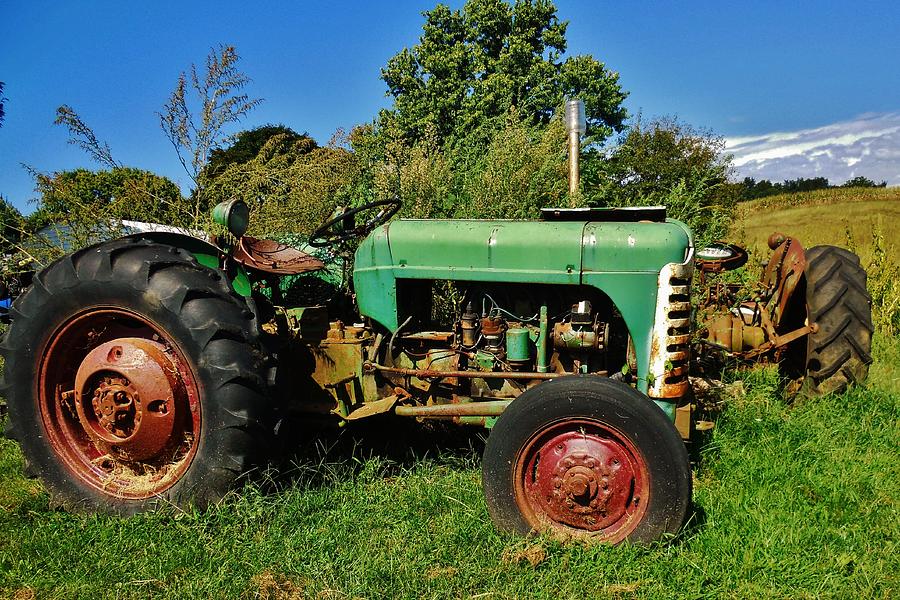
[24,594]
[533,554]
[269,585]
[441,572]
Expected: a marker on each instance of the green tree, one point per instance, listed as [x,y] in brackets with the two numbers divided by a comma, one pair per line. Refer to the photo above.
[471,66]
[244,146]
[291,184]
[864,182]
[11,226]
[665,161]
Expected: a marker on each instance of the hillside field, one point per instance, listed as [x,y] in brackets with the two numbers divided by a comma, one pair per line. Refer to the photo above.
[791,501]
[823,217]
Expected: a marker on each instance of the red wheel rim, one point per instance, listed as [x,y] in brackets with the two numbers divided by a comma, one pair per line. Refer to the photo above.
[584,478]
[119,403]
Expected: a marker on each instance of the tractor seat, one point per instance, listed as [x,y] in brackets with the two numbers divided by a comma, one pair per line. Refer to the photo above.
[273,257]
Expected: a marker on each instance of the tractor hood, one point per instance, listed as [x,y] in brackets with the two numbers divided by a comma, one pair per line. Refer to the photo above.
[551,252]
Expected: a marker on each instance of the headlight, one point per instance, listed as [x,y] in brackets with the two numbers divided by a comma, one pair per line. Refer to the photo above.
[234,215]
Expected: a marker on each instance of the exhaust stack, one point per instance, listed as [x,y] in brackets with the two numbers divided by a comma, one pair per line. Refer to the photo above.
[576,125]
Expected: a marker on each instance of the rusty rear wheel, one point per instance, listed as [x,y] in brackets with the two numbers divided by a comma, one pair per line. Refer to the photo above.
[132,377]
[590,458]
[122,410]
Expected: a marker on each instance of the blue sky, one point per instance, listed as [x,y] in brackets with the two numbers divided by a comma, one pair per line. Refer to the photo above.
[795,86]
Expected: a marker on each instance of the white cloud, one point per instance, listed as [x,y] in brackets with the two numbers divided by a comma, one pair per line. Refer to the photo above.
[868,145]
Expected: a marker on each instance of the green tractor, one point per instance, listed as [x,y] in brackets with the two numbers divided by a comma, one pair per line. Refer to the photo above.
[154,368]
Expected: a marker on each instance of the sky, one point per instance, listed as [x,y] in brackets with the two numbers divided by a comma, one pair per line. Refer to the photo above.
[796,88]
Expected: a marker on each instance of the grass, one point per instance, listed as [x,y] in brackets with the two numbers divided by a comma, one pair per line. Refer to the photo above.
[795,501]
[791,501]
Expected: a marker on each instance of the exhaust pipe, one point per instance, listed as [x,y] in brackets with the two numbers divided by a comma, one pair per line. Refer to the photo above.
[576,125]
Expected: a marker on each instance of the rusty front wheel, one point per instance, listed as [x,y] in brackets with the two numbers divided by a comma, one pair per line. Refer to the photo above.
[132,375]
[589,458]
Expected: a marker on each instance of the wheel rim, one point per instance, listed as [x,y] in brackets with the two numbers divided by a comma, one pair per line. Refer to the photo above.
[582,477]
[119,403]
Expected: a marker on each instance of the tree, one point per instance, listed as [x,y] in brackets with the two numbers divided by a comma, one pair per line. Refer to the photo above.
[471,66]
[667,162]
[246,145]
[11,226]
[864,182]
[291,184]
[195,131]
[119,193]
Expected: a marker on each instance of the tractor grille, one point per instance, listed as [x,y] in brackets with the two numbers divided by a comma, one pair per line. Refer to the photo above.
[670,345]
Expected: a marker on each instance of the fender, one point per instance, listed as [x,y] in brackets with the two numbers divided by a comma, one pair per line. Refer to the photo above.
[206,253]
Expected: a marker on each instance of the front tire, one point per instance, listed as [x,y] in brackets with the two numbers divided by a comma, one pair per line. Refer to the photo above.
[590,458]
[133,378]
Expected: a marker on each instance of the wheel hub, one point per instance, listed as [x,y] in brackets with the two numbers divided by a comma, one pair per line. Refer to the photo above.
[583,480]
[125,392]
[114,405]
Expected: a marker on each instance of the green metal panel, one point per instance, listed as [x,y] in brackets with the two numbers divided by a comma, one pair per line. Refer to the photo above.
[618,247]
[374,281]
[634,295]
[544,252]
[476,250]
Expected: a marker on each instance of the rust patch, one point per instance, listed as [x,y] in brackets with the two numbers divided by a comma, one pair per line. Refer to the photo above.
[670,339]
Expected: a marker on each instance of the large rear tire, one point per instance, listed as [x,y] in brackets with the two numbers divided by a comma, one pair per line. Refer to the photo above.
[590,458]
[838,353]
[133,378]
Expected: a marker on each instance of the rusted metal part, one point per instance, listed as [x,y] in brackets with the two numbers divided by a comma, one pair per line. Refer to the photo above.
[373,408]
[746,339]
[670,340]
[125,396]
[432,373]
[782,275]
[750,329]
[444,337]
[273,257]
[683,418]
[118,402]
[305,323]
[488,408]
[584,474]
[569,336]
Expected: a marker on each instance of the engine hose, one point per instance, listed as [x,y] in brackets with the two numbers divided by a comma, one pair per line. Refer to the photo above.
[390,349]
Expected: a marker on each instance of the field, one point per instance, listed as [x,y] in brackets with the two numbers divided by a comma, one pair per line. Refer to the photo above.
[824,217]
[791,501]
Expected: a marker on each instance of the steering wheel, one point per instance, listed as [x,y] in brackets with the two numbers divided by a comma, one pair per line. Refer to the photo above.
[327,234]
